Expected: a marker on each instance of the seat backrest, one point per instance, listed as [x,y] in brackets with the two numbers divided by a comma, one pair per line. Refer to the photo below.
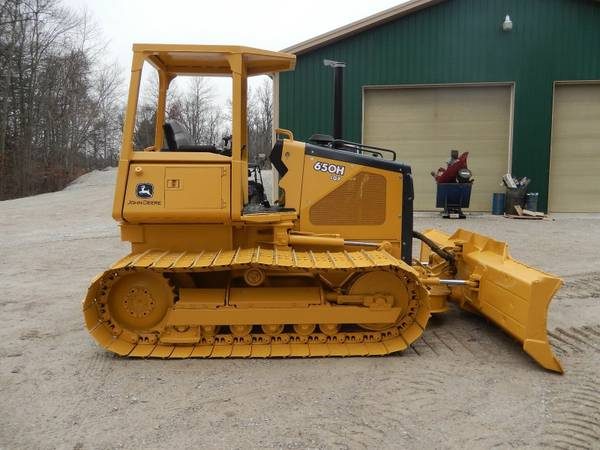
[179,140]
[176,135]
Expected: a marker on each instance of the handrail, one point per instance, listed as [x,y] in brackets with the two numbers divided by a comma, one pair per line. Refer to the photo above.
[362,147]
[287,133]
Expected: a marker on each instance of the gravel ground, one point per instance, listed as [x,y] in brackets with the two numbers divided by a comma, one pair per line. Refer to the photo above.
[465,384]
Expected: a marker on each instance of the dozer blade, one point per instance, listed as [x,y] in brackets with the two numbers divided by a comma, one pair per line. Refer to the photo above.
[511,294]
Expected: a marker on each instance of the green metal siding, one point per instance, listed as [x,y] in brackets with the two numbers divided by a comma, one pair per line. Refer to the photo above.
[458,41]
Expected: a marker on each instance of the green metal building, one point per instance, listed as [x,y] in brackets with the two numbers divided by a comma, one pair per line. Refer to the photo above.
[520,93]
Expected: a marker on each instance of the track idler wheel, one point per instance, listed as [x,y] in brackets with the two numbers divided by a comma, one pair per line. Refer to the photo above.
[304,329]
[330,329]
[272,330]
[139,300]
[240,330]
[382,284]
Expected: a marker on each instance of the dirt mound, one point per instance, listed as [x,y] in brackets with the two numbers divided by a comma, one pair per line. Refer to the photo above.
[94,178]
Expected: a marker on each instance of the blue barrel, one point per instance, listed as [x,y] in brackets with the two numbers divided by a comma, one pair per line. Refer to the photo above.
[498,200]
[532,201]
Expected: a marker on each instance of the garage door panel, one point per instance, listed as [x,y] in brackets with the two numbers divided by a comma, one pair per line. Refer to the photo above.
[582,165]
[575,151]
[424,124]
[444,133]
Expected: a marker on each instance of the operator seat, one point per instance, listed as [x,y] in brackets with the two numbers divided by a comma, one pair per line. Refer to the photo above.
[179,140]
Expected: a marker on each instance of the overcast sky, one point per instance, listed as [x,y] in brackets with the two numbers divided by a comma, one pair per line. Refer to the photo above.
[268,24]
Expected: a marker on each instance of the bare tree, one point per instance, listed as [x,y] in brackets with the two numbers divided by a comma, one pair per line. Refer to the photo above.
[192,103]
[198,111]
[59,104]
[260,121]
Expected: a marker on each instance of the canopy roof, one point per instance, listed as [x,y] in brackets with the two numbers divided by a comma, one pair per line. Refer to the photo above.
[213,59]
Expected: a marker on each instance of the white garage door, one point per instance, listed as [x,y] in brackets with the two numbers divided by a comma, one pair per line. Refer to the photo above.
[575,152]
[424,124]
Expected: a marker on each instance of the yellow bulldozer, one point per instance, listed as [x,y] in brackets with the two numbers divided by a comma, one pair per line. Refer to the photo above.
[327,271]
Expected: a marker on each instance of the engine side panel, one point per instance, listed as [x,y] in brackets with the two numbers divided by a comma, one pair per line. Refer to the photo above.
[178,193]
[357,201]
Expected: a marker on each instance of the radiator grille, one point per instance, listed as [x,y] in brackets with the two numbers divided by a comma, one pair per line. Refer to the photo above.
[359,201]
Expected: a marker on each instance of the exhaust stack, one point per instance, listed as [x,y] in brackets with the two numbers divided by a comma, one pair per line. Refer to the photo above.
[338,87]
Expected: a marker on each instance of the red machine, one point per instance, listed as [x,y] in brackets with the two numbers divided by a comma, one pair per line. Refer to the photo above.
[454,185]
